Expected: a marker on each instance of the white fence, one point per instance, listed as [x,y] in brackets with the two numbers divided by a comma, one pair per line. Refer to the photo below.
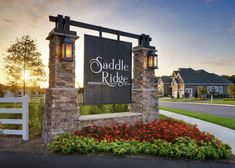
[25,116]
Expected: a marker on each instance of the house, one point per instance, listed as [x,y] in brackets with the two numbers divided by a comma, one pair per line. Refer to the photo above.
[164,86]
[187,82]
[12,91]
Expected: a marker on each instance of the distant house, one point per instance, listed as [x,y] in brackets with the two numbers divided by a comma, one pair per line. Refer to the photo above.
[187,82]
[164,86]
[12,91]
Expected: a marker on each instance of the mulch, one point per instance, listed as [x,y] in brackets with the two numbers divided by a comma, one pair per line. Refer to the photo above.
[16,144]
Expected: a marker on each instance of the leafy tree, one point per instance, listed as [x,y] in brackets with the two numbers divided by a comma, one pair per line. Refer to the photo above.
[23,56]
[231,78]
[1,91]
[202,91]
[231,90]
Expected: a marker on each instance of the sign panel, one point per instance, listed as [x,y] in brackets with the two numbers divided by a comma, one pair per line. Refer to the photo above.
[107,71]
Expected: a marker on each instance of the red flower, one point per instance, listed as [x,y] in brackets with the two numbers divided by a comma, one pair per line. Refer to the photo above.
[164,129]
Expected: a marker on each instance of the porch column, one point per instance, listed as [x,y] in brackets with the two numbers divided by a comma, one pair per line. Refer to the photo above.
[144,91]
[61,112]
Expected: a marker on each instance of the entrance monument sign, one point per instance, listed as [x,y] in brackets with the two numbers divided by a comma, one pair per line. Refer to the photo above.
[107,71]
[107,78]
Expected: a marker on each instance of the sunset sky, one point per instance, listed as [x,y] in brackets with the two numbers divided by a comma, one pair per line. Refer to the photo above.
[188,33]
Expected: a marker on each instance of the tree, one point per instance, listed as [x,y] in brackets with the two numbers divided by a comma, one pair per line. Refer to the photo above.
[1,91]
[24,60]
[202,91]
[231,90]
[231,78]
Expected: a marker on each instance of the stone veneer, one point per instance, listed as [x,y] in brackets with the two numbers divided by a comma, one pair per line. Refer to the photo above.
[109,119]
[144,91]
[61,112]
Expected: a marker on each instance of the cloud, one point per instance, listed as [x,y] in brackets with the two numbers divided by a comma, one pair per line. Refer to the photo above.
[218,63]
[232,27]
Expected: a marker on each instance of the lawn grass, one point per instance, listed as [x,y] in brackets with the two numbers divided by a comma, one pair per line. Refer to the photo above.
[178,99]
[223,121]
[163,117]
[196,100]
[216,101]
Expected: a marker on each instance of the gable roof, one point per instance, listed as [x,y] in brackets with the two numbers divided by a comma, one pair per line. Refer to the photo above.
[175,73]
[190,75]
[166,79]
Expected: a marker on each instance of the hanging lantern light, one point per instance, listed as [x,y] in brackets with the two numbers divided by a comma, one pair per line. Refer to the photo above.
[152,59]
[67,49]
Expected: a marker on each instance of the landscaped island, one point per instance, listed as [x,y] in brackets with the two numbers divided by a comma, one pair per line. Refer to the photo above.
[167,138]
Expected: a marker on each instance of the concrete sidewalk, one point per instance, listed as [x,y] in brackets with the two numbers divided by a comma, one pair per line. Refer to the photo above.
[225,134]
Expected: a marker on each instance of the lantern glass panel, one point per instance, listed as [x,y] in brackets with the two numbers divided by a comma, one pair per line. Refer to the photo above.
[155,61]
[69,51]
[150,61]
[63,50]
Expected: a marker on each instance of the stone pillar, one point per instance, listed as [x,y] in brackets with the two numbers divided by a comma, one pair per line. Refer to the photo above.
[144,91]
[61,112]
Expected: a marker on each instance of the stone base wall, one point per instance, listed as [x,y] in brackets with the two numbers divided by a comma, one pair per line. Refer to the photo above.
[144,102]
[61,112]
[109,119]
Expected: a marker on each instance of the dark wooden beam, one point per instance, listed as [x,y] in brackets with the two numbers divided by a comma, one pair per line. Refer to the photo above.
[63,26]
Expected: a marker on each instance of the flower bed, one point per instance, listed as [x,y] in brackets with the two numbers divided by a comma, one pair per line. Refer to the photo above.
[168,130]
[168,138]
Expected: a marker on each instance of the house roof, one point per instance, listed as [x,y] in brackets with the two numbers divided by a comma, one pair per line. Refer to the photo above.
[166,79]
[190,75]
[175,72]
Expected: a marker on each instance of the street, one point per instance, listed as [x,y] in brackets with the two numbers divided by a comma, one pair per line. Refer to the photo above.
[220,110]
[29,160]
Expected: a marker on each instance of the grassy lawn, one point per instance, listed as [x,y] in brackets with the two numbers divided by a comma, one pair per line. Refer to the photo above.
[196,100]
[217,101]
[178,99]
[223,121]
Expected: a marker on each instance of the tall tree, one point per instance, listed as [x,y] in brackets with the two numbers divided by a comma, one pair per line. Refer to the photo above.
[231,90]
[24,61]
[231,78]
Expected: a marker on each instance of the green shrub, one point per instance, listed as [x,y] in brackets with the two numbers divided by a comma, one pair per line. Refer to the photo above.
[182,147]
[36,110]
[120,107]
[103,108]
[69,143]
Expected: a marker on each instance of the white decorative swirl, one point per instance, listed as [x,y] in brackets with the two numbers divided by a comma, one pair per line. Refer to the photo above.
[97,63]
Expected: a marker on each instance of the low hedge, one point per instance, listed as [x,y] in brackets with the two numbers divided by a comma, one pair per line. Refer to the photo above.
[182,147]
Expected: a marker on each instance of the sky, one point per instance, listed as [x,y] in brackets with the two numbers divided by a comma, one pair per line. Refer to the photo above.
[187,33]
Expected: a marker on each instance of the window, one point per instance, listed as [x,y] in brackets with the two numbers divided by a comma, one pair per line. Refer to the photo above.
[221,89]
[216,89]
[188,92]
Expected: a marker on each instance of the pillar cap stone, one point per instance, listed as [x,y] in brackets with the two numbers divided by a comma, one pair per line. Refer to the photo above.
[54,33]
[139,48]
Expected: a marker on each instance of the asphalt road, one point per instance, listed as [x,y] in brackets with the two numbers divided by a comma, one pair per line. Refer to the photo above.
[27,160]
[220,110]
